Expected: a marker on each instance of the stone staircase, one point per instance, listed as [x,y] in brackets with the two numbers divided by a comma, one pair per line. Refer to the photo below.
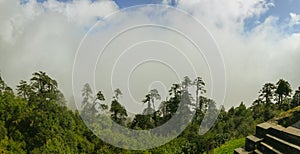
[271,138]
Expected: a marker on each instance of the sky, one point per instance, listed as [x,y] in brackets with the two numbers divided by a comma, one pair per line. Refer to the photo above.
[258,40]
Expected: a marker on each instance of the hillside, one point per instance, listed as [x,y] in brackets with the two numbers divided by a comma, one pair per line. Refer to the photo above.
[35,119]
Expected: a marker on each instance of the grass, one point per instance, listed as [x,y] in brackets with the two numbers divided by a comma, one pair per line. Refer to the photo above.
[229,146]
[286,114]
[287,118]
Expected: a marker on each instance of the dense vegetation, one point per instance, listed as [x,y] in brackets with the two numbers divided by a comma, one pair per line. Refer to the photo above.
[36,119]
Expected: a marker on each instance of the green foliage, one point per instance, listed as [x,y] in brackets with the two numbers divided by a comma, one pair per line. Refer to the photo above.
[296,99]
[118,112]
[283,89]
[267,92]
[100,96]
[45,89]
[229,147]
[37,121]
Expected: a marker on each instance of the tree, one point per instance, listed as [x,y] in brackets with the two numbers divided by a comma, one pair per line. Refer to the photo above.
[257,109]
[24,90]
[44,87]
[163,108]
[172,104]
[186,83]
[154,95]
[86,94]
[100,97]
[296,98]
[175,90]
[283,89]
[198,82]
[42,83]
[201,109]
[267,93]
[142,122]
[149,109]
[2,84]
[4,87]
[150,98]
[118,92]
[87,102]
[118,112]
[186,97]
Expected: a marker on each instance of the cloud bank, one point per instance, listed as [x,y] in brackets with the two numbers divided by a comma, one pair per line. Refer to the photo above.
[45,36]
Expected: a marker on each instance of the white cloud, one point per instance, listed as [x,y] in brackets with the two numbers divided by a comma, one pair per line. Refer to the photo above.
[45,37]
[16,16]
[294,19]
[83,12]
[222,13]
[265,54]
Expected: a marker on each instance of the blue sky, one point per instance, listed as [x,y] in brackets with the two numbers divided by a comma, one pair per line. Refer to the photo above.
[282,10]
[128,3]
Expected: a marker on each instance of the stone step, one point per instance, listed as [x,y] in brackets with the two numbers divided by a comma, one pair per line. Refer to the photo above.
[265,148]
[293,131]
[281,145]
[289,134]
[256,151]
[293,135]
[241,151]
[252,142]
[264,128]
[261,129]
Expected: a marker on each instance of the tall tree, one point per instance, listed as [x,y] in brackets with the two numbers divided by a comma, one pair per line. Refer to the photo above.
[87,95]
[96,107]
[45,89]
[175,90]
[118,93]
[4,87]
[201,109]
[199,83]
[186,83]
[149,109]
[296,98]
[150,98]
[154,95]
[173,103]
[283,89]
[118,112]
[163,108]
[42,83]
[24,90]
[267,93]
[101,98]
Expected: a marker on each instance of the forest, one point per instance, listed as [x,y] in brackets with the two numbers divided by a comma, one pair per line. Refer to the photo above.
[34,118]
